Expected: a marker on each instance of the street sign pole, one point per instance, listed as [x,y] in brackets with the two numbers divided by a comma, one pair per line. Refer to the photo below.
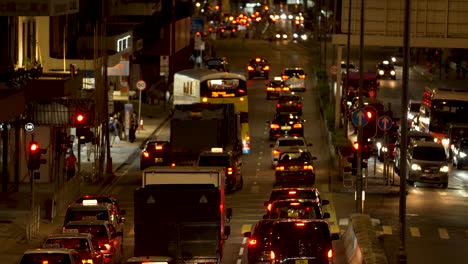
[139,109]
[140,85]
[359,177]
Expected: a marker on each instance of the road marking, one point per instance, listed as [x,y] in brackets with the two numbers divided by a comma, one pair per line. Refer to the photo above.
[259,157]
[258,164]
[414,231]
[244,241]
[246,228]
[343,222]
[255,189]
[443,233]
[443,193]
[260,152]
[387,230]
[239,261]
[241,251]
[131,232]
[334,229]
[463,193]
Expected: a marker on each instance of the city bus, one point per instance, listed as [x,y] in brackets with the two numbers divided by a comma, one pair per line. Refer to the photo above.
[210,86]
[439,108]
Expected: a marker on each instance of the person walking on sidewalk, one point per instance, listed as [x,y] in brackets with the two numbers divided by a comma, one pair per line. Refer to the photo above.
[70,163]
[113,131]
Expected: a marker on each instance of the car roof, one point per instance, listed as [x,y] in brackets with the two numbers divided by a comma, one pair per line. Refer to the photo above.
[88,222]
[313,189]
[292,149]
[290,138]
[418,143]
[218,154]
[463,125]
[94,207]
[149,259]
[49,251]
[293,69]
[414,133]
[71,235]
[301,201]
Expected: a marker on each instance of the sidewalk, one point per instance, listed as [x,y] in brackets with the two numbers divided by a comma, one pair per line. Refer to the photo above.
[13,229]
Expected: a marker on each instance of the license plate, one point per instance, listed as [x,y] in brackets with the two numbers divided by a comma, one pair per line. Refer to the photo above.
[158,159]
[278,89]
[293,169]
[285,128]
[301,261]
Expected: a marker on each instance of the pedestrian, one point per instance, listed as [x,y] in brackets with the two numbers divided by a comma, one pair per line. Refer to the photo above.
[112,131]
[70,165]
[132,128]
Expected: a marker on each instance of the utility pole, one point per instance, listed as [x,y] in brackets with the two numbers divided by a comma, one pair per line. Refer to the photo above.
[346,82]
[359,180]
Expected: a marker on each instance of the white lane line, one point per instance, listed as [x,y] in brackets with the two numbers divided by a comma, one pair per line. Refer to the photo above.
[463,193]
[260,158]
[241,251]
[239,261]
[443,193]
[443,233]
[414,231]
[343,222]
[261,152]
[258,164]
[244,241]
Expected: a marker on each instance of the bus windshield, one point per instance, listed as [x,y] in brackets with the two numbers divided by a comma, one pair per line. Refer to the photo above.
[445,112]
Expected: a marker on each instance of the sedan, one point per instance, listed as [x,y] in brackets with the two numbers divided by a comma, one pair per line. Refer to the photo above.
[295,166]
[155,153]
[286,124]
[284,143]
[275,87]
[289,103]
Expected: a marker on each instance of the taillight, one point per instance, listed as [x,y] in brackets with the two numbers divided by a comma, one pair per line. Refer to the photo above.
[269,88]
[107,246]
[258,59]
[250,68]
[146,154]
[276,152]
[222,30]
[158,147]
[233,30]
[269,207]
[87,261]
[252,242]
[279,168]
[299,105]
[173,165]
[300,224]
[274,126]
[330,254]
[266,68]
[278,105]
[297,126]
[308,167]
[302,76]
[286,89]
[229,170]
[292,192]
[272,255]
[284,77]
[293,204]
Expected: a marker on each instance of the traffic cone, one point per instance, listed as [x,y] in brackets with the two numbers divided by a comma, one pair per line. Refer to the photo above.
[141,124]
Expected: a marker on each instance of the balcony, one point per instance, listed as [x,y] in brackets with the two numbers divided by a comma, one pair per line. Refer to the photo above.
[38,7]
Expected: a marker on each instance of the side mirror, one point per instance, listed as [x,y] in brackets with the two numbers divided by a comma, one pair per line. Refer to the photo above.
[229,213]
[325,202]
[326,215]
[248,234]
[335,236]
[123,212]
[265,217]
[227,231]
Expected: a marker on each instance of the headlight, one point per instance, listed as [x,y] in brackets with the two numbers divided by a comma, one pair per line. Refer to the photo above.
[278,36]
[393,59]
[349,103]
[462,154]
[285,36]
[304,37]
[295,35]
[392,72]
[381,72]
[444,169]
[379,145]
[384,149]
[415,167]
[445,141]
[290,16]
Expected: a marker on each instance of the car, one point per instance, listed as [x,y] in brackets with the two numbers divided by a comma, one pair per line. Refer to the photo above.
[301,241]
[109,240]
[84,244]
[454,133]
[385,69]
[51,256]
[258,67]
[289,103]
[413,110]
[101,199]
[295,78]
[155,153]
[411,136]
[460,153]
[295,165]
[275,87]
[150,259]
[232,163]
[281,35]
[351,67]
[219,64]
[92,209]
[286,124]
[306,193]
[258,245]
[283,143]
[427,163]
[387,146]
[296,209]
[300,35]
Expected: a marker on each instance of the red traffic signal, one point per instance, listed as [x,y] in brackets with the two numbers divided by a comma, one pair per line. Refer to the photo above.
[33,147]
[34,157]
[369,114]
[79,118]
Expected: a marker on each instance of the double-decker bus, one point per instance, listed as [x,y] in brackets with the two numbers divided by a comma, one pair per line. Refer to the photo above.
[210,86]
[439,108]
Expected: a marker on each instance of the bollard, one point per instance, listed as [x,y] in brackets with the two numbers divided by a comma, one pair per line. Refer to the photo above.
[141,123]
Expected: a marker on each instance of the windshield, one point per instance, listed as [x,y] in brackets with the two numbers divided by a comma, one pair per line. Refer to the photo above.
[294,211]
[81,215]
[444,112]
[52,258]
[292,142]
[98,231]
[78,244]
[293,72]
[294,156]
[429,153]
[212,160]
[296,194]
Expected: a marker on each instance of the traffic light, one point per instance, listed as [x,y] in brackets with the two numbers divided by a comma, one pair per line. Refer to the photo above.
[34,158]
[80,120]
[370,129]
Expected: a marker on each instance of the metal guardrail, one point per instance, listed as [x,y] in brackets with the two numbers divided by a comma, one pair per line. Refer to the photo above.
[32,229]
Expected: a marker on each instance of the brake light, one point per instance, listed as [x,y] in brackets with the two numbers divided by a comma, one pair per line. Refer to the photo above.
[276,152]
[266,68]
[146,154]
[241,91]
[258,59]
[299,105]
[229,170]
[330,254]
[252,242]
[222,30]
[107,246]
[284,77]
[272,255]
[302,76]
[308,167]
[292,192]
[269,88]
[300,224]
[274,126]
[250,68]
[158,147]
[45,262]
[173,165]
[286,89]
[87,261]
[280,168]
[297,126]
[269,207]
[278,105]
[294,204]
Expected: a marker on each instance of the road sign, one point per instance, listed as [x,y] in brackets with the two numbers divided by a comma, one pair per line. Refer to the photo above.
[384,123]
[333,70]
[359,118]
[141,85]
[29,127]
[197,24]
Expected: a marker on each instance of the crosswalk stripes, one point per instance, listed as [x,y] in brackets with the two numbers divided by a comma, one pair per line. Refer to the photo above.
[414,231]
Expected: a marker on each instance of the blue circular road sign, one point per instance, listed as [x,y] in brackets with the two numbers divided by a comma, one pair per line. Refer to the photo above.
[359,118]
[384,123]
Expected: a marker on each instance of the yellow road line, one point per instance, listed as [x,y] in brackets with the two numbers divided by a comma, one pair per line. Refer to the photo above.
[246,228]
[414,231]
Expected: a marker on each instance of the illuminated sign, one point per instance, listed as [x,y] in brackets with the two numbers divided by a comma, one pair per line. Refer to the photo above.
[123,43]
[222,94]
[120,69]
